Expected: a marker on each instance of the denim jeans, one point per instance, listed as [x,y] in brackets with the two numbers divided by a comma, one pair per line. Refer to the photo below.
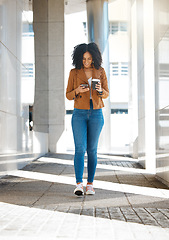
[86,126]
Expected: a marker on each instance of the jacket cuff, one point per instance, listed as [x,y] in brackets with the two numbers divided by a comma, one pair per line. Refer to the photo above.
[100,93]
[75,95]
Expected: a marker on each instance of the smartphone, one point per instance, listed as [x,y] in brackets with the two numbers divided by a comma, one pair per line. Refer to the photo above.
[84,85]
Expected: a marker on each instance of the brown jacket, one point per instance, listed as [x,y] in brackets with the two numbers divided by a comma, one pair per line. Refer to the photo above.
[82,100]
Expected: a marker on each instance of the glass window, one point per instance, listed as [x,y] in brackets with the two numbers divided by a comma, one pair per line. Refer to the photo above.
[27,70]
[85,28]
[123,26]
[114,69]
[115,27]
[119,69]
[124,68]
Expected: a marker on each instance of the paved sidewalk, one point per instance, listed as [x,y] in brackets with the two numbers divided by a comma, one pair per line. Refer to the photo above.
[37,202]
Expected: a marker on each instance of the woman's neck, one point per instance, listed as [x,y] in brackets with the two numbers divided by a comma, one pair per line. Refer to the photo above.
[88,72]
[88,69]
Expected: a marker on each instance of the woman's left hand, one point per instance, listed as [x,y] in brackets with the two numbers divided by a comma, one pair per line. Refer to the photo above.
[99,87]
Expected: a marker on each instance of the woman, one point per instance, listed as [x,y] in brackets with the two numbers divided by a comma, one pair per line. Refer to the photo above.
[87,118]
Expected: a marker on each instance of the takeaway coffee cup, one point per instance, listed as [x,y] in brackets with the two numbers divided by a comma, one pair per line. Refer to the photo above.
[94,83]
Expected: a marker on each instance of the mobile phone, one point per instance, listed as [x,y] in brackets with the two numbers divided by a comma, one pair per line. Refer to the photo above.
[84,85]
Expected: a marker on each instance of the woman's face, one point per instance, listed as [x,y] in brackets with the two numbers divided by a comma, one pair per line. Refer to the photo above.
[87,60]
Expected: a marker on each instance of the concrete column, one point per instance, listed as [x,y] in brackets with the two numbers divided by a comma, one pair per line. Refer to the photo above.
[98,32]
[146,84]
[133,89]
[49,104]
[149,77]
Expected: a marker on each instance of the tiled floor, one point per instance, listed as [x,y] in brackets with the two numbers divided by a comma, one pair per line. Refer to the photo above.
[37,202]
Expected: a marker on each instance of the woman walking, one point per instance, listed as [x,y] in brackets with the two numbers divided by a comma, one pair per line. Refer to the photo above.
[87,118]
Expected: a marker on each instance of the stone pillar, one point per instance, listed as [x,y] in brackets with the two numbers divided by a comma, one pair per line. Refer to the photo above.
[133,89]
[49,110]
[146,84]
[149,78]
[98,32]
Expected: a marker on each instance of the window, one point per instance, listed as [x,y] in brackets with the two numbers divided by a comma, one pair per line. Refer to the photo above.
[27,70]
[164,71]
[114,69]
[123,26]
[28,30]
[124,69]
[115,27]
[85,28]
[119,111]
[119,69]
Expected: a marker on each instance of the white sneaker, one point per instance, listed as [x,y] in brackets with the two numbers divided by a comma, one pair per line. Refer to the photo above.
[89,189]
[79,189]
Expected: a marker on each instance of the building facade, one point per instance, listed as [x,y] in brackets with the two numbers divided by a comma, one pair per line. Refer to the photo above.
[15,137]
[148,81]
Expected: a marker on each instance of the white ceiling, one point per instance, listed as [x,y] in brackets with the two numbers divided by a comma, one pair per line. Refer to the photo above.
[72,6]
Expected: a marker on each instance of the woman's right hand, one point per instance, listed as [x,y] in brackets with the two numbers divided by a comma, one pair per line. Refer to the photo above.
[81,89]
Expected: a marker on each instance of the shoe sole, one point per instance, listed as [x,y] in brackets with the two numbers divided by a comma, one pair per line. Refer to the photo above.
[90,193]
[79,193]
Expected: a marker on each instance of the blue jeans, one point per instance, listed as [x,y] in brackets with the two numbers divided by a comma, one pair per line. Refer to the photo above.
[86,126]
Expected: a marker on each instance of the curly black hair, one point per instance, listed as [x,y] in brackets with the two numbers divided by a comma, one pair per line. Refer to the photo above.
[80,49]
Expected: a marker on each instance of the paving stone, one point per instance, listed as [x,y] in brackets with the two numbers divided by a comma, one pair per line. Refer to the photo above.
[116,213]
[64,209]
[130,215]
[165,212]
[145,217]
[159,217]
[35,209]
[75,210]
[88,211]
[102,213]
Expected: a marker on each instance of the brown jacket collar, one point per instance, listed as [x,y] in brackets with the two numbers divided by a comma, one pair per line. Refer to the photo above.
[81,74]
